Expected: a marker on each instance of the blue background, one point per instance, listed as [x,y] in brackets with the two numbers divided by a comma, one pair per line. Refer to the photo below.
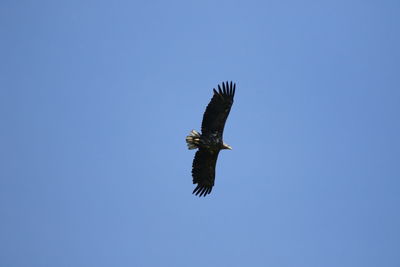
[97,97]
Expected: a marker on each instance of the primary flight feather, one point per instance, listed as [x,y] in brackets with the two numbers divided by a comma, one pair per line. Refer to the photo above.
[210,141]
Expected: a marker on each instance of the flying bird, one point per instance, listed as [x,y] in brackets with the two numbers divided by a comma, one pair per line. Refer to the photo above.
[209,142]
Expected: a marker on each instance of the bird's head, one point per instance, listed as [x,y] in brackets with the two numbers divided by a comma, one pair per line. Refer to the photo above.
[226,146]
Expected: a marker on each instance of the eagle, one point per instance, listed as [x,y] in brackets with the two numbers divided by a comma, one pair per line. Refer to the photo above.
[209,142]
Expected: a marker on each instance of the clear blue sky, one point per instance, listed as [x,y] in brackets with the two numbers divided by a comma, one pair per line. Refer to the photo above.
[96,98]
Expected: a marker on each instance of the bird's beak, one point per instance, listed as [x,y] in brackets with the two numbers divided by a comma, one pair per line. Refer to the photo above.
[227,147]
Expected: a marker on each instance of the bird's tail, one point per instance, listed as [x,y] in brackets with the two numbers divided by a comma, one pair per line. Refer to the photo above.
[193,140]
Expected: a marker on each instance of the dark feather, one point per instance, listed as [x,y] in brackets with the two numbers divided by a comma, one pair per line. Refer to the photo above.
[203,171]
[218,109]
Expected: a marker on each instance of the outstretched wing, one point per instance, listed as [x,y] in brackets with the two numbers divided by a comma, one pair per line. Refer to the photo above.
[217,111]
[203,171]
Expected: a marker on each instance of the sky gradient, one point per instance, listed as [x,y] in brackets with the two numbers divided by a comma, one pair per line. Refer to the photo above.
[96,98]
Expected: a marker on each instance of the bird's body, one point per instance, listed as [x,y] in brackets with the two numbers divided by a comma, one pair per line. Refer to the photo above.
[210,141]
